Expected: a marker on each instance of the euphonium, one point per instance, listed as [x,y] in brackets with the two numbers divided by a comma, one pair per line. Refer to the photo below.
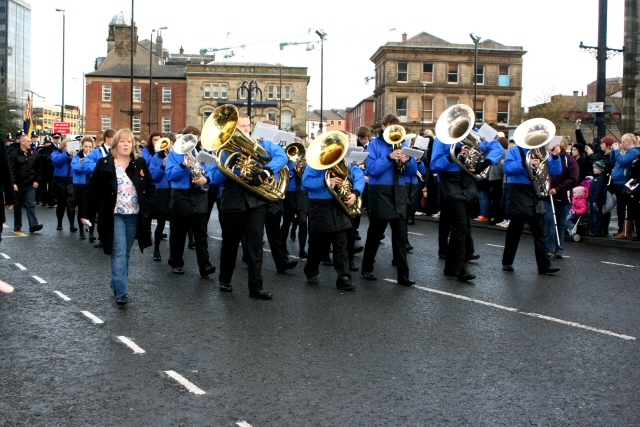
[454,126]
[534,135]
[328,151]
[185,145]
[395,135]
[295,151]
[162,144]
[243,154]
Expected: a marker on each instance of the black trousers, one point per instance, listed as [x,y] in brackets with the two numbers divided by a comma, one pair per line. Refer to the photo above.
[249,223]
[318,248]
[460,242]
[444,231]
[277,244]
[398,243]
[539,243]
[495,197]
[180,225]
[351,236]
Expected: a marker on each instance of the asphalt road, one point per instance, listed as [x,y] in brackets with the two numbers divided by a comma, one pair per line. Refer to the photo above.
[510,349]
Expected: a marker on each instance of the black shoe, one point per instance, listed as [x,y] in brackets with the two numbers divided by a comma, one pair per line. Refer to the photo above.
[156,256]
[358,249]
[367,275]
[35,228]
[353,267]
[225,287]
[261,294]
[92,238]
[59,227]
[73,229]
[82,235]
[450,273]
[288,266]
[473,257]
[302,255]
[98,244]
[409,247]
[465,276]
[557,255]
[191,245]
[312,280]
[344,284]
[205,272]
[327,261]
[550,270]
[358,237]
[164,236]
[121,301]
[405,281]
[178,270]
[508,267]
[17,228]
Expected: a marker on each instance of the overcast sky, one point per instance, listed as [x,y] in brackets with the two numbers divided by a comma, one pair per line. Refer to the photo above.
[550,32]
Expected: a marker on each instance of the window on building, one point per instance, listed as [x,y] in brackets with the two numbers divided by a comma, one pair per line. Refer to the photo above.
[166,124]
[452,76]
[216,91]
[207,91]
[332,122]
[166,94]
[339,122]
[427,72]
[479,111]
[427,110]
[137,94]
[452,101]
[106,123]
[106,93]
[243,93]
[480,75]
[503,112]
[401,108]
[403,72]
[272,115]
[285,120]
[223,92]
[287,93]
[136,124]
[271,92]
[503,76]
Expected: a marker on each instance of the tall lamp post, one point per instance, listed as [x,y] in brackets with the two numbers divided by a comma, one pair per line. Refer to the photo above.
[424,94]
[63,35]
[322,35]
[151,72]
[476,40]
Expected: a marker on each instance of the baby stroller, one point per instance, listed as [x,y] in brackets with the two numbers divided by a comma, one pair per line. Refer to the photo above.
[580,226]
[578,220]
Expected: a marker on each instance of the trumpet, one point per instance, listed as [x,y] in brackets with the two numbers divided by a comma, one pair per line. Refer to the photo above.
[185,145]
[162,144]
[395,135]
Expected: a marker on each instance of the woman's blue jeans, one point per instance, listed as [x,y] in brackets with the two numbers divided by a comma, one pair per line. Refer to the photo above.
[124,232]
[562,210]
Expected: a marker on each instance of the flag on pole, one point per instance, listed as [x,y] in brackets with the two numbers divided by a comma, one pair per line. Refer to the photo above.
[27,127]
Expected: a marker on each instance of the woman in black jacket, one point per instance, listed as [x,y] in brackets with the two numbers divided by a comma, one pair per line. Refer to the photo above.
[121,191]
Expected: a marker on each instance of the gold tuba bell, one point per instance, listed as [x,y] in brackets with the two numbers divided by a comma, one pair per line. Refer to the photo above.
[328,151]
[245,154]
[295,151]
[395,135]
[534,135]
[454,126]
[162,144]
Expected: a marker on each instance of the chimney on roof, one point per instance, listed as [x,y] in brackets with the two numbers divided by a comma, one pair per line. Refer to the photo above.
[404,37]
[575,93]
[181,50]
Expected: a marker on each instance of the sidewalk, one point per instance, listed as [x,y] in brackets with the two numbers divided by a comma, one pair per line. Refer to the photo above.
[601,241]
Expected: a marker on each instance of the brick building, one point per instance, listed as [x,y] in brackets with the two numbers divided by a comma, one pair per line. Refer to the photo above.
[363,114]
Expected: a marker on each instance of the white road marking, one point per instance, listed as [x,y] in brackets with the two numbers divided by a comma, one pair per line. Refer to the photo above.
[621,265]
[495,246]
[5,256]
[133,346]
[217,238]
[95,319]
[243,424]
[516,310]
[39,279]
[417,234]
[20,266]
[185,382]
[63,296]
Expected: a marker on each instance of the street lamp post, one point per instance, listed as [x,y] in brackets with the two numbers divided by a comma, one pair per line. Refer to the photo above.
[476,40]
[424,93]
[151,73]
[63,35]
[322,35]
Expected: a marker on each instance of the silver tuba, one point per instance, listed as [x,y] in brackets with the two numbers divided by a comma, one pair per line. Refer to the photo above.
[244,154]
[395,135]
[534,135]
[454,126]
[185,145]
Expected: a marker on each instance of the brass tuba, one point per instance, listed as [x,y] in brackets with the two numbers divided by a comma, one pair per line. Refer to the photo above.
[395,135]
[295,151]
[454,126]
[328,151]
[244,154]
[534,135]
[162,144]
[185,145]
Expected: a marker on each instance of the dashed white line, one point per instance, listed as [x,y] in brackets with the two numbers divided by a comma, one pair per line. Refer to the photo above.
[243,423]
[516,310]
[217,238]
[61,295]
[20,266]
[621,265]
[39,279]
[93,318]
[129,343]
[495,246]
[417,234]
[5,256]
[185,382]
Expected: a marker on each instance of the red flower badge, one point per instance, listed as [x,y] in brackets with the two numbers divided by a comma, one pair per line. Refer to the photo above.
[141,173]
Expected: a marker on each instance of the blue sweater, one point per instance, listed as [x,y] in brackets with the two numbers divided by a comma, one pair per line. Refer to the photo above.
[313,181]
[158,172]
[622,164]
[380,169]
[61,164]
[517,173]
[81,170]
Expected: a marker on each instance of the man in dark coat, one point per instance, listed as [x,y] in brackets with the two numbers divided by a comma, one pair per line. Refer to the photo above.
[25,169]
[6,184]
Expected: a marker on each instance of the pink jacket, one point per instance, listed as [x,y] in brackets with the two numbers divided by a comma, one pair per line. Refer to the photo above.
[579,206]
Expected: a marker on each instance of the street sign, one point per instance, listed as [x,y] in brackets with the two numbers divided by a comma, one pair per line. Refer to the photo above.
[63,128]
[595,107]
